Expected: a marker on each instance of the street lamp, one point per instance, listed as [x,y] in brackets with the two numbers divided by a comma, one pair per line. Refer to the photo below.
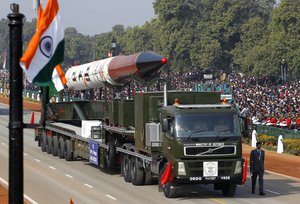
[113,47]
[283,70]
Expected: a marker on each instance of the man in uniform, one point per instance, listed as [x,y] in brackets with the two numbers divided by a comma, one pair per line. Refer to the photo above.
[257,158]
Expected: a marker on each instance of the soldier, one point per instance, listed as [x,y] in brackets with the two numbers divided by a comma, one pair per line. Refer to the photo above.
[257,158]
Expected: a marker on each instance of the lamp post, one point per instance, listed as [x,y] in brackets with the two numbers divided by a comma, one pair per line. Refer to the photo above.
[113,47]
[16,166]
[283,70]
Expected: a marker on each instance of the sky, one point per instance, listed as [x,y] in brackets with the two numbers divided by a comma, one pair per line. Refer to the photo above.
[91,17]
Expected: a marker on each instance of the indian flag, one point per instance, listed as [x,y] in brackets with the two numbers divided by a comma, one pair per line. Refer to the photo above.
[46,47]
[58,78]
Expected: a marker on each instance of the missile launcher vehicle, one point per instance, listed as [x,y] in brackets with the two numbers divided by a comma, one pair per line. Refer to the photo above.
[180,138]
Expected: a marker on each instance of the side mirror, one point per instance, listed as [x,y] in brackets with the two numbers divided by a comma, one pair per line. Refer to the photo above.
[165,124]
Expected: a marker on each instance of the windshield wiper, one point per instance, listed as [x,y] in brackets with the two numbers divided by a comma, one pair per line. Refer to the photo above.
[223,138]
[190,135]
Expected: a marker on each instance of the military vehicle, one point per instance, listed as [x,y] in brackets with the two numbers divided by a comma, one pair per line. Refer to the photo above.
[189,137]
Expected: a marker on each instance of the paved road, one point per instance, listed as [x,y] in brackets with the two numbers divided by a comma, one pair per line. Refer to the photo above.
[48,179]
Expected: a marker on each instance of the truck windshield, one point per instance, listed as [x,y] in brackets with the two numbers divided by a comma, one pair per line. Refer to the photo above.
[207,124]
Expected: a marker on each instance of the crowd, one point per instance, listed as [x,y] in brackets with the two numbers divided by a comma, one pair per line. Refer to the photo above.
[265,101]
[4,83]
[268,103]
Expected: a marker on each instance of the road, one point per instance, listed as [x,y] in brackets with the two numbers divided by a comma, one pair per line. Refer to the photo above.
[48,179]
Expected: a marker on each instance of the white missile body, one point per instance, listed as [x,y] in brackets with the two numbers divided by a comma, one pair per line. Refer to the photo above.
[89,76]
[114,71]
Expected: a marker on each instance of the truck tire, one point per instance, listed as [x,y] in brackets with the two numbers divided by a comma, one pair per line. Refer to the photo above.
[126,168]
[136,172]
[148,178]
[61,148]
[55,146]
[229,189]
[50,144]
[168,188]
[110,155]
[68,151]
[44,142]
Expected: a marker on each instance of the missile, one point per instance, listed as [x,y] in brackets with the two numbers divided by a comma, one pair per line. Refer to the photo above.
[114,71]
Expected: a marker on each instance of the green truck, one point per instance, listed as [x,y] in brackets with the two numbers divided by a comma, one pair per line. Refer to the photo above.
[193,133]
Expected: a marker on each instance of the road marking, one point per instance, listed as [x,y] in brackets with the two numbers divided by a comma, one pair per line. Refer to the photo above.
[3,144]
[25,154]
[279,174]
[88,185]
[30,200]
[52,167]
[272,192]
[37,160]
[68,175]
[291,177]
[25,196]
[3,181]
[111,197]
[217,200]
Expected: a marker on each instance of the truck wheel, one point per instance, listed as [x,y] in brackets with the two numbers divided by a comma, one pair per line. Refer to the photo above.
[44,142]
[169,190]
[148,178]
[55,146]
[110,155]
[126,168]
[61,148]
[50,145]
[229,189]
[68,151]
[136,172]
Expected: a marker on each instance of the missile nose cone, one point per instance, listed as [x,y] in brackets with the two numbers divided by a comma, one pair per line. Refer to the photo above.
[164,60]
[148,63]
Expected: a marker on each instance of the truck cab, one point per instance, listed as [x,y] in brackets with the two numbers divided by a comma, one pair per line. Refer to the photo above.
[203,141]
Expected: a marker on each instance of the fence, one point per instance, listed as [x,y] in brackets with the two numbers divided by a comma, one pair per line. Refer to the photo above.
[274,131]
[34,95]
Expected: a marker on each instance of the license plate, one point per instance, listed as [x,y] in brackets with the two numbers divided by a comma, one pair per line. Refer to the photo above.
[210,169]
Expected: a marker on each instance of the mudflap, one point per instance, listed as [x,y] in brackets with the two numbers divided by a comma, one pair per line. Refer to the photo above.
[102,158]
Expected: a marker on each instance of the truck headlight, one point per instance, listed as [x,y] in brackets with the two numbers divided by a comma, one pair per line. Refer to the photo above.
[238,167]
[181,169]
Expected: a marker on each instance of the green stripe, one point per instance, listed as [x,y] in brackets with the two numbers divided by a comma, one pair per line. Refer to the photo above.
[44,77]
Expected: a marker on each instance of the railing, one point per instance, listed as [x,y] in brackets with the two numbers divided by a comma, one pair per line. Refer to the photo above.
[222,87]
[35,95]
[276,132]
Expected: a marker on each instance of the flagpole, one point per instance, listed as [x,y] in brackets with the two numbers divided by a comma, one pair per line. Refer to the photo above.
[16,166]
[44,89]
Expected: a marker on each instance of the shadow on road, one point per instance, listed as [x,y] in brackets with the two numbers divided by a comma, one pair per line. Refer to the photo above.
[4,111]
[273,188]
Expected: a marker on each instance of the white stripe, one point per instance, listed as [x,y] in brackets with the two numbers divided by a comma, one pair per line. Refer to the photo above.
[51,167]
[279,174]
[111,197]
[272,192]
[88,185]
[3,144]
[25,154]
[39,61]
[30,199]
[68,175]
[3,181]
[25,196]
[57,81]
[37,160]
[291,177]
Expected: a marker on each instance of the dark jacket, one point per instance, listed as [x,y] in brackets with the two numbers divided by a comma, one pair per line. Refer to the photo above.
[257,164]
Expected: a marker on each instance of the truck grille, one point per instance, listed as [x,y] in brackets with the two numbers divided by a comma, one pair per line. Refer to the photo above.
[210,151]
